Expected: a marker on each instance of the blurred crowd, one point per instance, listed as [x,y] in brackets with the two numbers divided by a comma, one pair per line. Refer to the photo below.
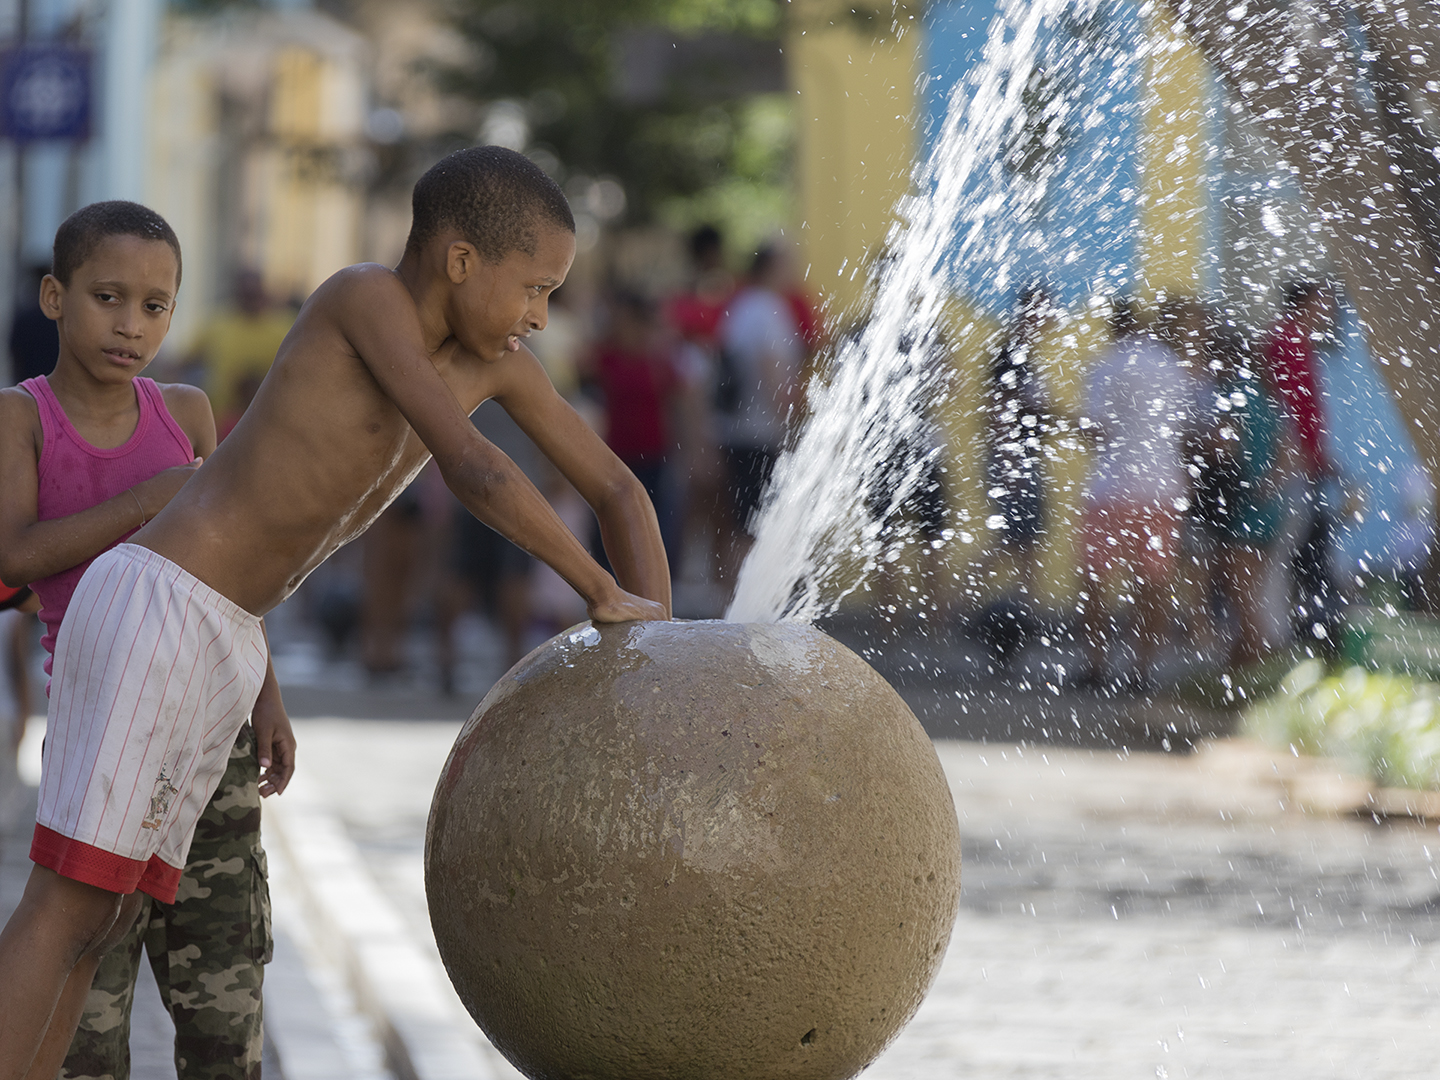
[1208,517]
[1210,512]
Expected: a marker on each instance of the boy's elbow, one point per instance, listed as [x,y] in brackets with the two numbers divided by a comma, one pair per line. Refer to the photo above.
[474,482]
[622,492]
[13,573]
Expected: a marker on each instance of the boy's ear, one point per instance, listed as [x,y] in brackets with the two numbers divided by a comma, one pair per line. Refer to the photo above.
[51,293]
[460,261]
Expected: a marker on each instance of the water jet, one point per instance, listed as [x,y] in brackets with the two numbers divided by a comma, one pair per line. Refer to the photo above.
[665,850]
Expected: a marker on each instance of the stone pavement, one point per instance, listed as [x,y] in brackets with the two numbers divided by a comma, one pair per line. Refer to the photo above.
[1123,915]
[314,1030]
[1164,916]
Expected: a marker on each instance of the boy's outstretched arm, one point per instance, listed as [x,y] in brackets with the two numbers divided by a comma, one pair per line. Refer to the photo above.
[628,525]
[378,317]
[32,549]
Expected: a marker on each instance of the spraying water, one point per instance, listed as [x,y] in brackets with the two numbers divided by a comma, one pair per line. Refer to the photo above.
[830,515]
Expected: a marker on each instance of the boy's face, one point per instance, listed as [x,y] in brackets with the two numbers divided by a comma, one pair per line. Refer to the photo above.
[494,305]
[116,310]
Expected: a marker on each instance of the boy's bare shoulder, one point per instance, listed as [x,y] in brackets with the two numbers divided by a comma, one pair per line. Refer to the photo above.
[184,396]
[521,372]
[189,405]
[361,287]
[20,425]
[350,304]
[17,406]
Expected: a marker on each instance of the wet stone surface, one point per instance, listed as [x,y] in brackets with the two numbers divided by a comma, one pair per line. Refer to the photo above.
[650,823]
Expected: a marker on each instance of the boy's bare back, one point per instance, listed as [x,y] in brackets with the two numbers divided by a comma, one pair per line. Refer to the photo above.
[382,369]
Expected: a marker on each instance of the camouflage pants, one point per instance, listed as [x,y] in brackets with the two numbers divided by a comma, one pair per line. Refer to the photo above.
[208,950]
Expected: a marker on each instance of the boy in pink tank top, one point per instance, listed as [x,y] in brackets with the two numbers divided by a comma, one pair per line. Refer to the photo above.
[87,456]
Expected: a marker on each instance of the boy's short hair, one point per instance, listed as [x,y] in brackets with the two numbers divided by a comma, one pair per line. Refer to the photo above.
[492,197]
[80,234]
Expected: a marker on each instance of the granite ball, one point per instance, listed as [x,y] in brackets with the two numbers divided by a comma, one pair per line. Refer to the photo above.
[674,850]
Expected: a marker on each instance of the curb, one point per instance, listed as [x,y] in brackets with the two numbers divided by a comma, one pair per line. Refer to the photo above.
[1317,785]
[404,991]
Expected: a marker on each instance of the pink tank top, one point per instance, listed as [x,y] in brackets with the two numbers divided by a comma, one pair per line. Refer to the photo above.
[75,476]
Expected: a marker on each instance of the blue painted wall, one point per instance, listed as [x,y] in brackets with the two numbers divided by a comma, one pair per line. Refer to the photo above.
[1082,242]
[1369,441]
[1081,238]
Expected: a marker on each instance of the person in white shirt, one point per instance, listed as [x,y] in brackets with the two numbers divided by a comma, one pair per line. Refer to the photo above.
[762,355]
[1140,407]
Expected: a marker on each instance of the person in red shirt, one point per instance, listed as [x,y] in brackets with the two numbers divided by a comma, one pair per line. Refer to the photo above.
[695,313]
[693,317]
[638,382]
[1294,363]
[1292,357]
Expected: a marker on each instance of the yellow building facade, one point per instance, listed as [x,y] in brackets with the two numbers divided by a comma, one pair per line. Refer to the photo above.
[857,140]
[258,154]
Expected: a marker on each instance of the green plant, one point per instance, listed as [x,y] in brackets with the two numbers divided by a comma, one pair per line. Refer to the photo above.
[1384,725]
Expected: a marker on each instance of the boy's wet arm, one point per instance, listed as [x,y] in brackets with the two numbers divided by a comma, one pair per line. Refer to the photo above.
[378,318]
[493,488]
[19,483]
[629,528]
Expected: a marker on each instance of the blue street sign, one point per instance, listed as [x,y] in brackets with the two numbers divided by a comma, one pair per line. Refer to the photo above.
[45,92]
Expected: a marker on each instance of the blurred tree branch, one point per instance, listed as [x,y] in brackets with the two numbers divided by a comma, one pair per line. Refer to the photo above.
[591,84]
[566,65]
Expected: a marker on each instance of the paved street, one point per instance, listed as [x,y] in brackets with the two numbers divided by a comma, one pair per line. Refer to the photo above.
[311,1018]
[1150,916]
[1124,915]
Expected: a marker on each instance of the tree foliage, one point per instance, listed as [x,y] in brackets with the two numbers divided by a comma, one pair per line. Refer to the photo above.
[557,62]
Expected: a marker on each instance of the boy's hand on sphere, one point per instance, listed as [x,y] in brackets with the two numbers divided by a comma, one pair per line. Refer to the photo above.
[626,607]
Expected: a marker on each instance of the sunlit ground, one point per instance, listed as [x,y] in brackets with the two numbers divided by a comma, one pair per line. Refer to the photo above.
[1122,914]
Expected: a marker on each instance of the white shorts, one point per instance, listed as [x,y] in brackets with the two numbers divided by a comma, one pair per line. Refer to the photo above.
[155,672]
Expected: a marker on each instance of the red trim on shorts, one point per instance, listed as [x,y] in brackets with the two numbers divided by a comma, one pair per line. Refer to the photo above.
[84,862]
[160,880]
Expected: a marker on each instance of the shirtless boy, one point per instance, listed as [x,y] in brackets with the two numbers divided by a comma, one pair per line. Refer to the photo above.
[163,639]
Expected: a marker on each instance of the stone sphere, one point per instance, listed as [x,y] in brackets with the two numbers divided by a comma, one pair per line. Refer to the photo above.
[664,851]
